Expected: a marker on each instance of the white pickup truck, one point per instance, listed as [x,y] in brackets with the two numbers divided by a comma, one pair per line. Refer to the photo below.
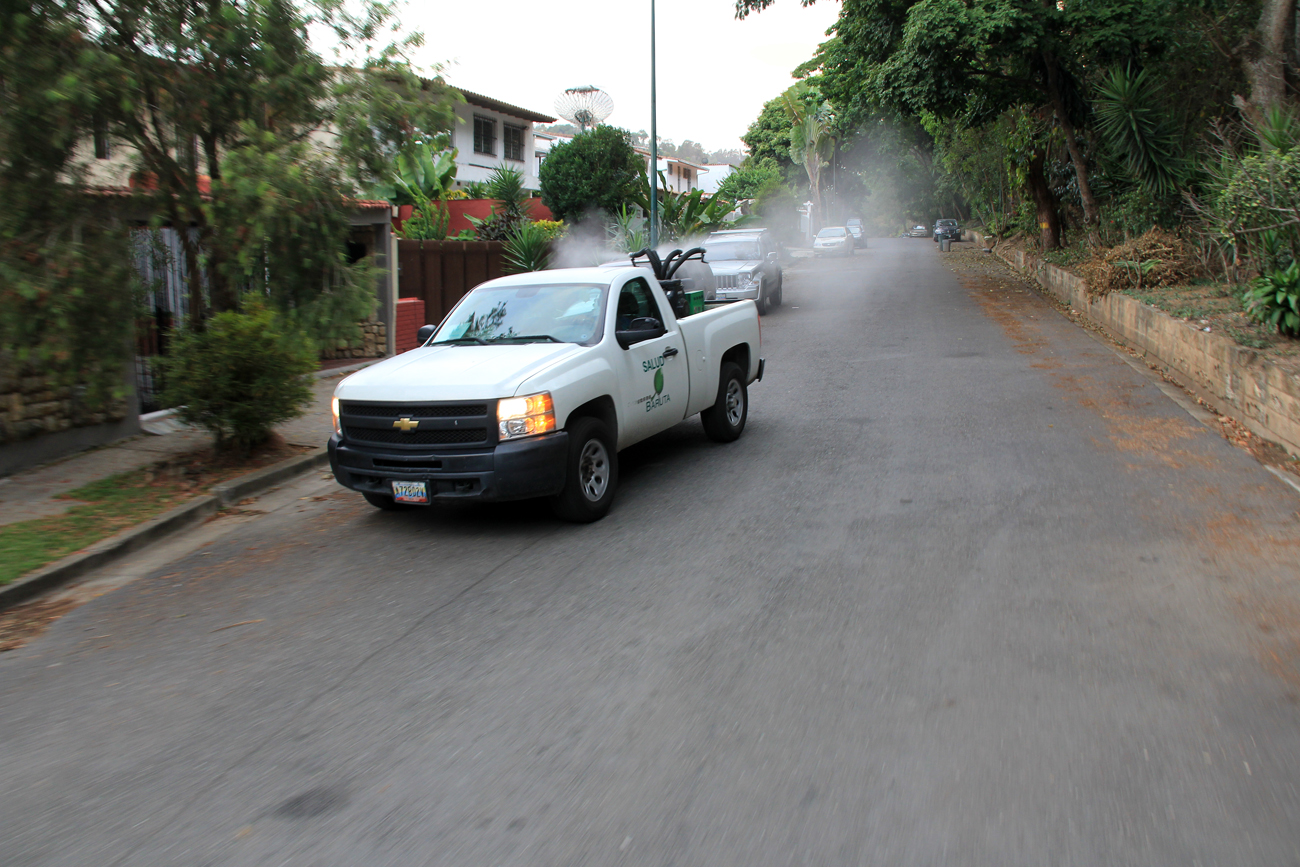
[534,382]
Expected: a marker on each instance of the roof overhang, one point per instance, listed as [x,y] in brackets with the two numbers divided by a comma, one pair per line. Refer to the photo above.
[488,102]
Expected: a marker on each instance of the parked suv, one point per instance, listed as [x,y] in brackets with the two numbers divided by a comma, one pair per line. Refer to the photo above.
[946,229]
[747,264]
[855,229]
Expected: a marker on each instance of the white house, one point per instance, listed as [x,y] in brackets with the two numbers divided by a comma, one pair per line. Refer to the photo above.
[680,175]
[717,174]
[489,133]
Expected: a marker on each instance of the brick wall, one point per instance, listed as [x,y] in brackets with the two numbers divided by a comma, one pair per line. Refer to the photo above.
[410,316]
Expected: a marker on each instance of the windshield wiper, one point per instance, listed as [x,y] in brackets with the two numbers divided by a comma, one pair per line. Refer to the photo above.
[538,338]
[478,340]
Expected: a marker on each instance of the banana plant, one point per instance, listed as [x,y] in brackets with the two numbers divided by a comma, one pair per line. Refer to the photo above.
[684,215]
[422,174]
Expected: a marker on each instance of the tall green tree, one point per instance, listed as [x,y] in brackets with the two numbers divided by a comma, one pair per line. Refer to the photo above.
[66,281]
[972,61]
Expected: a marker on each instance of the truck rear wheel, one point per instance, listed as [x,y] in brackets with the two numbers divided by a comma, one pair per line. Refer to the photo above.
[724,422]
[762,300]
[591,475]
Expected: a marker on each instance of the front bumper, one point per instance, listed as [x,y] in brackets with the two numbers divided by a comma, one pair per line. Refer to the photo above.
[750,294]
[532,467]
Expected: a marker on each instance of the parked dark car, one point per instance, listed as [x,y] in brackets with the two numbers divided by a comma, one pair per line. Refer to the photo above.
[946,229]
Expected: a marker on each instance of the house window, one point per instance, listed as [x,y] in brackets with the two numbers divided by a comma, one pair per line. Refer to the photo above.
[513,139]
[686,173]
[485,135]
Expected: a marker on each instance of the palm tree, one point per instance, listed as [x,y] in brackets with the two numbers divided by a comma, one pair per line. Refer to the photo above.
[812,142]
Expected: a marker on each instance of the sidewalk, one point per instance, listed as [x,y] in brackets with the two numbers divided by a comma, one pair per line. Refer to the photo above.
[32,493]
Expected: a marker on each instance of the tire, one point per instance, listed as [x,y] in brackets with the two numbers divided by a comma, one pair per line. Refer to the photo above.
[388,504]
[724,422]
[762,300]
[591,474]
[780,290]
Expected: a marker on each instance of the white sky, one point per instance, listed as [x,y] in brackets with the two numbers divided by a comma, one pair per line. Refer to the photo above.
[714,72]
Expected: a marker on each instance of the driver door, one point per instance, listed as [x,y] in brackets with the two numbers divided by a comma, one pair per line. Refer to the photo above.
[654,378]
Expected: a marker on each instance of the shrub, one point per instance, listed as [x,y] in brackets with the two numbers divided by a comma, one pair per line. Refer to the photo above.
[554,229]
[1274,299]
[241,376]
[597,170]
[428,222]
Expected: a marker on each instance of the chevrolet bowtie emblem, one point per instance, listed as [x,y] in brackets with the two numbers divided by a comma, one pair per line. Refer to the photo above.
[406,424]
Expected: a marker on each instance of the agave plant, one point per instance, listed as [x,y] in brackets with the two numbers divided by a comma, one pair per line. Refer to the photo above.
[1134,127]
[527,248]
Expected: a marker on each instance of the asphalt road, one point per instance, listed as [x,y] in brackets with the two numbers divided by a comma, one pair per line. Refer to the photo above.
[971,590]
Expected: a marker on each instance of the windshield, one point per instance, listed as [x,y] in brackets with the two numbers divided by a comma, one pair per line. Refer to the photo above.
[717,251]
[564,313]
[947,222]
[831,233]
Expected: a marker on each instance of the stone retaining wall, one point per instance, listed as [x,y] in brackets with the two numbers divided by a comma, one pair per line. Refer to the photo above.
[33,404]
[1236,381]
[373,343]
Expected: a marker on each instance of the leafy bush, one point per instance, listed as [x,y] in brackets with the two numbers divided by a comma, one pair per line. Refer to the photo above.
[554,229]
[597,170]
[1274,299]
[527,248]
[241,376]
[428,222]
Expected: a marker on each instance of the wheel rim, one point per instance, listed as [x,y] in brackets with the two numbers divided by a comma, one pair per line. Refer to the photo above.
[593,470]
[735,402]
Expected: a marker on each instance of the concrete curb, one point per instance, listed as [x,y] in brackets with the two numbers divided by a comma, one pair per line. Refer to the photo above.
[1236,381]
[168,523]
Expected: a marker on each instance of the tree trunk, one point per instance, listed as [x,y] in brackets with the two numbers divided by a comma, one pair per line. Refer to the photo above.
[1266,66]
[1049,223]
[1091,212]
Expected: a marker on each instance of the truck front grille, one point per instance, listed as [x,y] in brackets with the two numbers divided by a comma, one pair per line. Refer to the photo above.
[413,410]
[415,425]
[456,436]
[728,281]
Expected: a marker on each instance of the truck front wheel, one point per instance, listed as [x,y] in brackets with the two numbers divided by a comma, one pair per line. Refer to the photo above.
[724,422]
[591,475]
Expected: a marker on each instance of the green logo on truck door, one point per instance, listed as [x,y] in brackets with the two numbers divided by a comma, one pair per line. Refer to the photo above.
[658,398]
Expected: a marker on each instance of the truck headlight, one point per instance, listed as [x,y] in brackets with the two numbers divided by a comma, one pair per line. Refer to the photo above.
[748,281]
[334,410]
[525,416]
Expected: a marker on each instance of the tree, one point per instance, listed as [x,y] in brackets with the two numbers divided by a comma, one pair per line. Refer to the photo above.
[973,61]
[66,282]
[692,152]
[597,171]
[768,137]
[220,101]
[746,181]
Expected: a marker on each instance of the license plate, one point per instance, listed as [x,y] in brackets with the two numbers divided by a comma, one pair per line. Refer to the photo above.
[411,492]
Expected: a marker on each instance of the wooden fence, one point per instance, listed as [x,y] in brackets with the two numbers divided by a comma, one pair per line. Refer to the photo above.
[439,273]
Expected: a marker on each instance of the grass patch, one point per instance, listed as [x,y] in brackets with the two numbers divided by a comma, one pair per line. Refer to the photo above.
[110,505]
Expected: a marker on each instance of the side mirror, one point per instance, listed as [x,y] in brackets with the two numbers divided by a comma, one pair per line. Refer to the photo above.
[774,256]
[642,328]
[426,331]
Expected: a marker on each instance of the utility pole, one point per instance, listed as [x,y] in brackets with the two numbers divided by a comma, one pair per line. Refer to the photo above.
[654,141]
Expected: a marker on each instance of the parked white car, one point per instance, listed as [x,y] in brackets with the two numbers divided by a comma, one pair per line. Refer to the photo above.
[833,240]
[534,382]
